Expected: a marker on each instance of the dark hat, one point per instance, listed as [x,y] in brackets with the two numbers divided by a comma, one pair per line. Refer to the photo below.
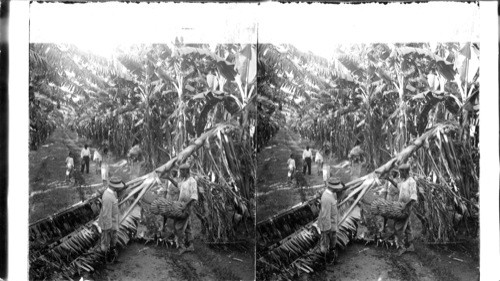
[116,183]
[404,166]
[335,183]
[184,166]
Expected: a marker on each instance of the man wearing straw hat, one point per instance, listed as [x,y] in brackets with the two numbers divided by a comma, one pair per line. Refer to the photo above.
[188,193]
[109,218]
[408,195]
[328,217]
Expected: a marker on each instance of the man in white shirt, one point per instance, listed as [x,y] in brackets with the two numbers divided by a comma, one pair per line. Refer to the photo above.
[408,195]
[318,158]
[109,218]
[307,157]
[291,167]
[70,164]
[85,155]
[188,194]
[328,217]
[98,161]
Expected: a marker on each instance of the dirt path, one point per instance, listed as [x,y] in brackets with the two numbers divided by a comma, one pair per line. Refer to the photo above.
[274,193]
[48,190]
[153,262]
[357,262]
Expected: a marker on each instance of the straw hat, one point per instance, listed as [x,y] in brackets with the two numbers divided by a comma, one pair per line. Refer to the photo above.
[335,183]
[116,183]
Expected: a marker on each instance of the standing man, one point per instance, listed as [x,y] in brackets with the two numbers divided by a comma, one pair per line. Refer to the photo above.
[326,168]
[291,167]
[328,218]
[318,158]
[85,155]
[356,157]
[70,165]
[98,161]
[188,194]
[109,218]
[407,195]
[307,156]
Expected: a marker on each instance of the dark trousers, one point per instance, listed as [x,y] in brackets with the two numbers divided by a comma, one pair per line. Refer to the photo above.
[307,166]
[85,163]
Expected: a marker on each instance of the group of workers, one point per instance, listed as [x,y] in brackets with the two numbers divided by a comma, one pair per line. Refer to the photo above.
[85,154]
[323,164]
[402,190]
[185,190]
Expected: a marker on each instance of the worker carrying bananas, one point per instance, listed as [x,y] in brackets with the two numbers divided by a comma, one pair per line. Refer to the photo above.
[188,194]
[328,218]
[408,195]
[109,218]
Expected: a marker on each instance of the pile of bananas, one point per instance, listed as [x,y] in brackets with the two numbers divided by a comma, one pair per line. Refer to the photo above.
[170,209]
[388,209]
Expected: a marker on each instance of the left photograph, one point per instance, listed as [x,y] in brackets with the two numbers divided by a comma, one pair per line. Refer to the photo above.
[141,161]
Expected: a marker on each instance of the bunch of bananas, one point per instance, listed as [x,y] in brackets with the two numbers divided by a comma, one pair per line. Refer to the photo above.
[388,209]
[169,209]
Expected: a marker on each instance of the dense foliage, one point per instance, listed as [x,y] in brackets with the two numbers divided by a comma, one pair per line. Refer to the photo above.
[164,98]
[382,97]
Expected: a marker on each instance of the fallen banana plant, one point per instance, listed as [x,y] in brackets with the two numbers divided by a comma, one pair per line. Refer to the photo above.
[285,223]
[47,233]
[79,251]
[279,260]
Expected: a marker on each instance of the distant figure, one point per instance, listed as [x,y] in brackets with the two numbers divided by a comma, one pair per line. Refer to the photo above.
[70,165]
[291,167]
[98,161]
[105,173]
[85,155]
[134,155]
[326,167]
[356,156]
[318,159]
[328,218]
[307,156]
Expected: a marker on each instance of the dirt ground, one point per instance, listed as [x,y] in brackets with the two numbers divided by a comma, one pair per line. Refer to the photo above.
[149,261]
[49,194]
[357,262]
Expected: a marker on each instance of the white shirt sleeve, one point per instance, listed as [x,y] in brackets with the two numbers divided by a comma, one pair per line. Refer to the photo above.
[193,187]
[413,190]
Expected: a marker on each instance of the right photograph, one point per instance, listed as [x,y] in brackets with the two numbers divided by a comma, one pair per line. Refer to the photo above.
[368,161]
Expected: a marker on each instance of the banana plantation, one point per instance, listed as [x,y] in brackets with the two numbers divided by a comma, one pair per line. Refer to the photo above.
[194,103]
[414,103]
[238,114]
